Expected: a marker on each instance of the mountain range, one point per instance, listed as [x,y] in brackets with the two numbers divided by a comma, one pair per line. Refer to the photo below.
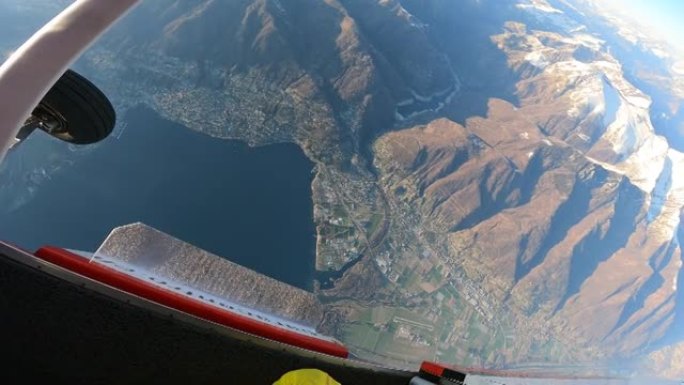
[527,150]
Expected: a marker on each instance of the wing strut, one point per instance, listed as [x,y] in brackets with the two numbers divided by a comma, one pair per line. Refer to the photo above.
[31,71]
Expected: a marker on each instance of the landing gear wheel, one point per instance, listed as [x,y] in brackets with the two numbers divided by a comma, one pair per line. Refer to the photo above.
[74,110]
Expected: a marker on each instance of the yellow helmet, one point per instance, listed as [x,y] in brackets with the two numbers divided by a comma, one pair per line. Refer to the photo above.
[306,377]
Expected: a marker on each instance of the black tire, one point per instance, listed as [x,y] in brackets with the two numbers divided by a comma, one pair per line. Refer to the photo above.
[84,113]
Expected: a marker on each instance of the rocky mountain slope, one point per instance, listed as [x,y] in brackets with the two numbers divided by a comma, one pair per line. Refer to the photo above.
[566,205]
[667,361]
[322,73]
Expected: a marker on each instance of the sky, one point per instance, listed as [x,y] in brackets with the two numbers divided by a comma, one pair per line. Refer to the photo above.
[665,16]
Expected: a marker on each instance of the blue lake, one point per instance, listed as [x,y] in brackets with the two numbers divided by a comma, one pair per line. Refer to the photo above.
[250,205]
